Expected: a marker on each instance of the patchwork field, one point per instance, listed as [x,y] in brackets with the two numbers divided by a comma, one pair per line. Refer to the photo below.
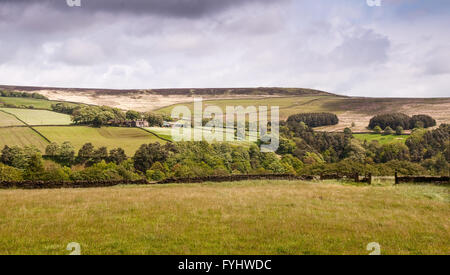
[349,110]
[129,139]
[36,103]
[39,117]
[255,217]
[382,139]
[357,110]
[288,105]
[166,133]
[21,136]
[8,120]
[152,99]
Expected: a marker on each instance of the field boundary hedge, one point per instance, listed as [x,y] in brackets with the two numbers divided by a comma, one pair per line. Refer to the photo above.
[232,178]
[156,135]
[422,179]
[66,184]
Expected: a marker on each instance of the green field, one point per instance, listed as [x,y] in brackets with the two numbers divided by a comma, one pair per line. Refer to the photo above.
[167,134]
[129,139]
[255,217]
[39,117]
[8,120]
[382,139]
[24,101]
[21,136]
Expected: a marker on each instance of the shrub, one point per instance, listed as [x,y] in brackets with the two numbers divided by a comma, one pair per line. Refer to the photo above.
[399,130]
[377,129]
[388,131]
[8,173]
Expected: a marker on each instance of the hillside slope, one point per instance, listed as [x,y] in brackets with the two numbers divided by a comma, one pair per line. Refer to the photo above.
[350,110]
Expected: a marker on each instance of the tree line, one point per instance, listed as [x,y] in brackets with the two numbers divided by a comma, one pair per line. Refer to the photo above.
[314,119]
[302,152]
[22,94]
[401,121]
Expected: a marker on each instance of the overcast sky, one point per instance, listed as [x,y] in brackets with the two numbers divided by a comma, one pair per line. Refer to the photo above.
[400,49]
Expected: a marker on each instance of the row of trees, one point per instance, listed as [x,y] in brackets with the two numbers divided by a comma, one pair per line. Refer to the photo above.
[425,152]
[314,119]
[22,94]
[399,120]
[103,115]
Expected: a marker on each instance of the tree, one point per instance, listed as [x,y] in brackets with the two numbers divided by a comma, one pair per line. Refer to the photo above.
[117,155]
[154,119]
[388,131]
[422,121]
[133,115]
[148,154]
[99,155]
[67,153]
[347,131]
[53,150]
[86,152]
[377,129]
[286,146]
[399,130]
[7,155]
[8,173]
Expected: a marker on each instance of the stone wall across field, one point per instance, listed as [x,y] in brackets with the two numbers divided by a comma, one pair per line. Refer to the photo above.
[72,184]
[408,179]
[237,178]
[91,184]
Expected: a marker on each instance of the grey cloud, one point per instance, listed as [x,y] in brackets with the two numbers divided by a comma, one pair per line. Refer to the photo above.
[362,49]
[438,62]
[176,8]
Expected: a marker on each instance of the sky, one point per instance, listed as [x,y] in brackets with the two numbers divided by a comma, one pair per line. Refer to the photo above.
[400,48]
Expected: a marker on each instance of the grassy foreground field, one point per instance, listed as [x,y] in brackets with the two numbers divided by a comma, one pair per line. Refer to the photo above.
[255,217]
[129,139]
[21,136]
[39,117]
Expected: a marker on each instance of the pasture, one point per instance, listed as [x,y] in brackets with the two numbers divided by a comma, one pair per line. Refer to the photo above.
[25,101]
[288,105]
[253,217]
[7,120]
[21,136]
[349,110]
[206,133]
[39,117]
[129,139]
[382,139]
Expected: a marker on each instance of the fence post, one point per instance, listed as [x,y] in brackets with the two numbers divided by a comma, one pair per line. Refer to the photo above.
[369,179]
[356,176]
[396,178]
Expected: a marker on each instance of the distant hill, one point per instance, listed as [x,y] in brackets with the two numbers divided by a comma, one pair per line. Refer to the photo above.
[270,91]
[350,110]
